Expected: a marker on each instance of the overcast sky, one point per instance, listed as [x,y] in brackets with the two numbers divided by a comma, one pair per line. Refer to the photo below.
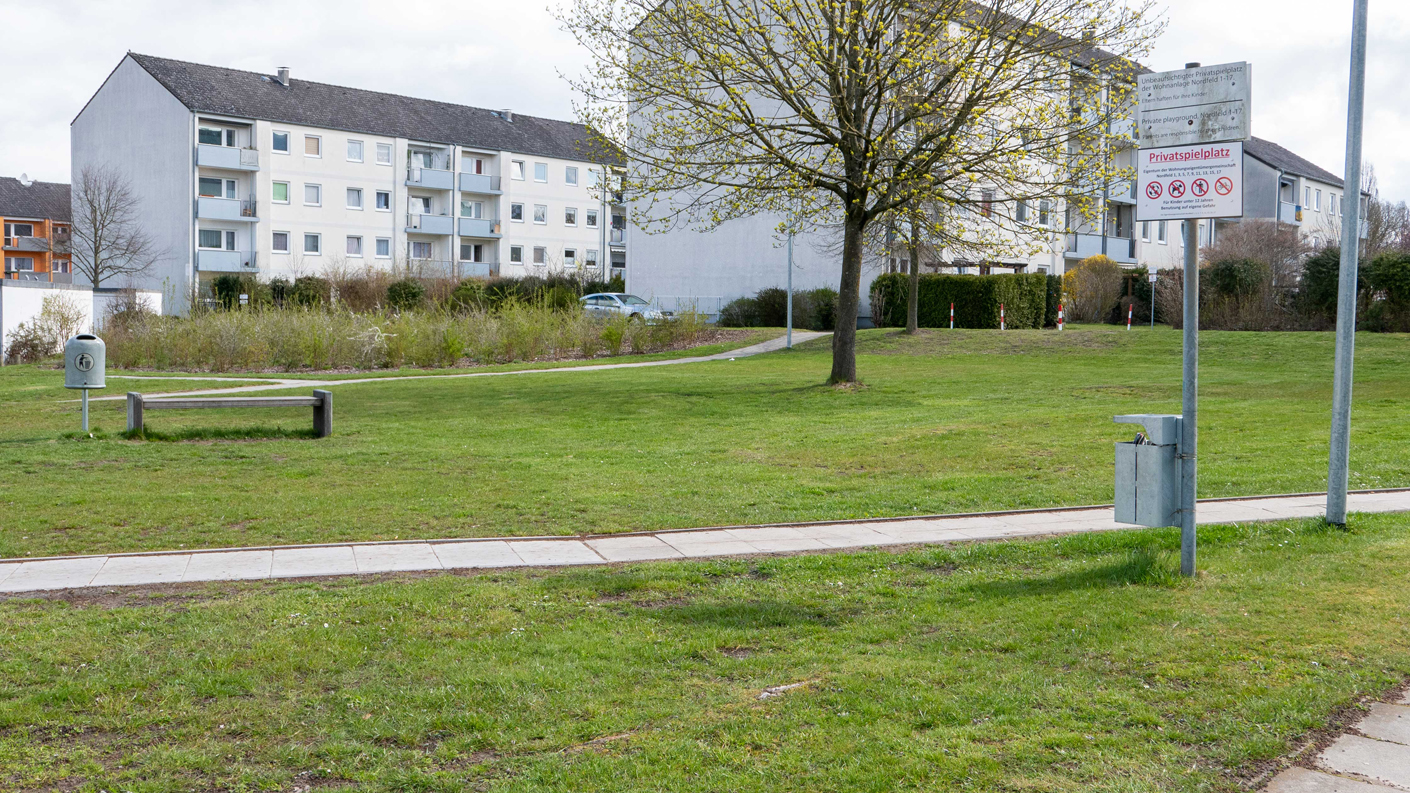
[509,53]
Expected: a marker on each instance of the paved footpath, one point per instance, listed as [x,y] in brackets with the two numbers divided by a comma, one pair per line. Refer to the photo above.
[1373,757]
[232,564]
[285,383]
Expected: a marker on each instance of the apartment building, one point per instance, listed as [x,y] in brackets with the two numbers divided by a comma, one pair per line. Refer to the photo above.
[267,174]
[36,219]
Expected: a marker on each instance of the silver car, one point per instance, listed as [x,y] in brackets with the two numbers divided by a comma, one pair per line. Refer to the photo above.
[608,304]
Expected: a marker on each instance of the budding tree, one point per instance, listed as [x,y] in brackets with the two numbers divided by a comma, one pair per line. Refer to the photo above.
[844,111]
[108,238]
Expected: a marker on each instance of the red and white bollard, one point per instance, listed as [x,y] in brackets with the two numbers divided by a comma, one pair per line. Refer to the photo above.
[1060,317]
[952,316]
[1131,309]
[1001,316]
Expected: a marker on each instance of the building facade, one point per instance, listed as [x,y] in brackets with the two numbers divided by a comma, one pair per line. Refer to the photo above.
[36,219]
[264,174]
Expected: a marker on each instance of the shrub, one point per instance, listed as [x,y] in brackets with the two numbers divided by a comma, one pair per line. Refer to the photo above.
[822,309]
[227,289]
[1091,288]
[1237,278]
[1388,274]
[406,295]
[976,299]
[561,298]
[310,290]
[1320,276]
[740,313]
[59,319]
[1050,313]
[469,295]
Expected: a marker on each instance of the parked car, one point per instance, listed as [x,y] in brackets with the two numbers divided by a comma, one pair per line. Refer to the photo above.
[607,304]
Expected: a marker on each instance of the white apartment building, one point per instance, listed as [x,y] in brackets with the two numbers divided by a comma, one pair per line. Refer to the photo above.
[241,172]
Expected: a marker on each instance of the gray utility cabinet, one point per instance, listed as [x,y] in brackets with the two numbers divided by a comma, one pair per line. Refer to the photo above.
[1148,472]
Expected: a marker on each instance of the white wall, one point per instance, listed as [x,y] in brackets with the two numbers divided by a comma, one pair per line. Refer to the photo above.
[21,302]
[556,194]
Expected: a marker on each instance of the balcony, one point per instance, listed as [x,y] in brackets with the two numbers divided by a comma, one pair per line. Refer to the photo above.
[1123,192]
[210,208]
[1118,249]
[479,227]
[477,270]
[619,236]
[479,183]
[226,262]
[228,157]
[1289,213]
[430,224]
[34,244]
[430,178]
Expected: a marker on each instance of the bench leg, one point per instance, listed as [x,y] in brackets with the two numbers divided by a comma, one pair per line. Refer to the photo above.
[323,414]
[134,411]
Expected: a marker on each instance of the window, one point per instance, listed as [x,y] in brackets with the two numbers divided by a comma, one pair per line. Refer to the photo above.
[420,250]
[516,213]
[540,172]
[211,136]
[592,177]
[1020,212]
[210,239]
[1332,203]
[22,263]
[384,247]
[516,254]
[591,217]
[420,205]
[355,247]
[570,257]
[1145,231]
[354,151]
[1307,196]
[540,255]
[591,258]
[313,195]
[474,165]
[472,252]
[281,193]
[216,188]
[19,229]
[570,176]
[384,201]
[280,242]
[516,169]
[1160,232]
[1045,208]
[384,154]
[281,142]
[541,214]
[313,146]
[472,209]
[1317,201]
[986,203]
[313,244]
[570,216]
[354,198]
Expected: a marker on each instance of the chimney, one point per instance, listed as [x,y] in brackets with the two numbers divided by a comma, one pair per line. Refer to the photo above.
[284,76]
[1089,36]
[507,115]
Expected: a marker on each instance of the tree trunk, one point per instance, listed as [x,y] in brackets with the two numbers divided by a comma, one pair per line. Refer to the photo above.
[913,297]
[844,338]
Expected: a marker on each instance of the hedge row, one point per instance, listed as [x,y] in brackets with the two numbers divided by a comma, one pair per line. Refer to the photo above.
[1025,298]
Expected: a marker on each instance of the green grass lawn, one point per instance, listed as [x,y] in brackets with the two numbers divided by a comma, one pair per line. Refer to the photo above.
[1078,664]
[948,421]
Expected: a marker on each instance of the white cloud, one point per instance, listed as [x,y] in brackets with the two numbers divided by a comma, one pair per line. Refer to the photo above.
[509,54]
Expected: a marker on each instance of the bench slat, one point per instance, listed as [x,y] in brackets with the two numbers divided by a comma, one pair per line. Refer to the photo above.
[232,402]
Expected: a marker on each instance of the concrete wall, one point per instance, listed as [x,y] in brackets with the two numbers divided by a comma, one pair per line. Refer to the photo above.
[138,128]
[21,302]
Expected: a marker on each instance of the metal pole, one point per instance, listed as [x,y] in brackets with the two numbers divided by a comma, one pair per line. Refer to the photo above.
[85,410]
[790,290]
[1189,435]
[1340,459]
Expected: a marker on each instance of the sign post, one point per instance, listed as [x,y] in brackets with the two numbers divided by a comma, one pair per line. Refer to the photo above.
[1193,123]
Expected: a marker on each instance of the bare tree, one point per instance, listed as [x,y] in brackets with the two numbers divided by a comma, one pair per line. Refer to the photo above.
[852,109]
[108,237]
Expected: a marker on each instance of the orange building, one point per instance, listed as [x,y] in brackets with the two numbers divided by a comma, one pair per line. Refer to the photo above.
[37,221]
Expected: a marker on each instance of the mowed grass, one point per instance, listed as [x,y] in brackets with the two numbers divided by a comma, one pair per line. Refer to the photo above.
[1078,664]
[949,421]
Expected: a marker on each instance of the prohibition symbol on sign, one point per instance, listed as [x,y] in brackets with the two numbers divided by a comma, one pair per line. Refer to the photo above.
[1153,190]
[1177,188]
[1200,187]
[1223,185]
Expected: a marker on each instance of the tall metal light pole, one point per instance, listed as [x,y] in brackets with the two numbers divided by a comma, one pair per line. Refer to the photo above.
[790,289]
[1340,458]
[1189,399]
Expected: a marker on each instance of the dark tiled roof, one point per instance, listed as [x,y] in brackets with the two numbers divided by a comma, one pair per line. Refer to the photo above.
[213,89]
[1271,154]
[39,200]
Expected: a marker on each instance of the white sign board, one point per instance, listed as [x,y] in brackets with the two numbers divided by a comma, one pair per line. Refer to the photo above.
[1207,104]
[1178,182]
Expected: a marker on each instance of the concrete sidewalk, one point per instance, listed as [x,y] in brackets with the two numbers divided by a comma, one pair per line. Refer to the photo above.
[1374,757]
[429,555]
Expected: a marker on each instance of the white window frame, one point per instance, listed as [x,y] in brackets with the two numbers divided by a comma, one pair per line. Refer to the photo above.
[590,217]
[274,246]
[516,170]
[381,147]
[318,239]
[540,252]
[348,244]
[512,207]
[411,250]
[570,256]
[225,134]
[318,138]
[317,187]
[360,152]
[274,200]
[379,245]
[544,167]
[590,258]
[1162,234]
[570,175]
[348,193]
[1145,231]
[13,264]
[220,246]
[227,187]
[1317,200]
[516,254]
[538,207]
[377,205]
[570,216]
[287,138]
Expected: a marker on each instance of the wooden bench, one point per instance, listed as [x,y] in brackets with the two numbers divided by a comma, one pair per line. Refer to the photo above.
[321,402]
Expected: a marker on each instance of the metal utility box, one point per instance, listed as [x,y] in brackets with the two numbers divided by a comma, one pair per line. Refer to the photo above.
[85,362]
[1148,472]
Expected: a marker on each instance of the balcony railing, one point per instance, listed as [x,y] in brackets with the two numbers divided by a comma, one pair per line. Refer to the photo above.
[227,261]
[619,236]
[430,224]
[229,157]
[477,269]
[211,208]
[1118,249]
[430,178]
[479,183]
[479,227]
[432,268]
[1289,213]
